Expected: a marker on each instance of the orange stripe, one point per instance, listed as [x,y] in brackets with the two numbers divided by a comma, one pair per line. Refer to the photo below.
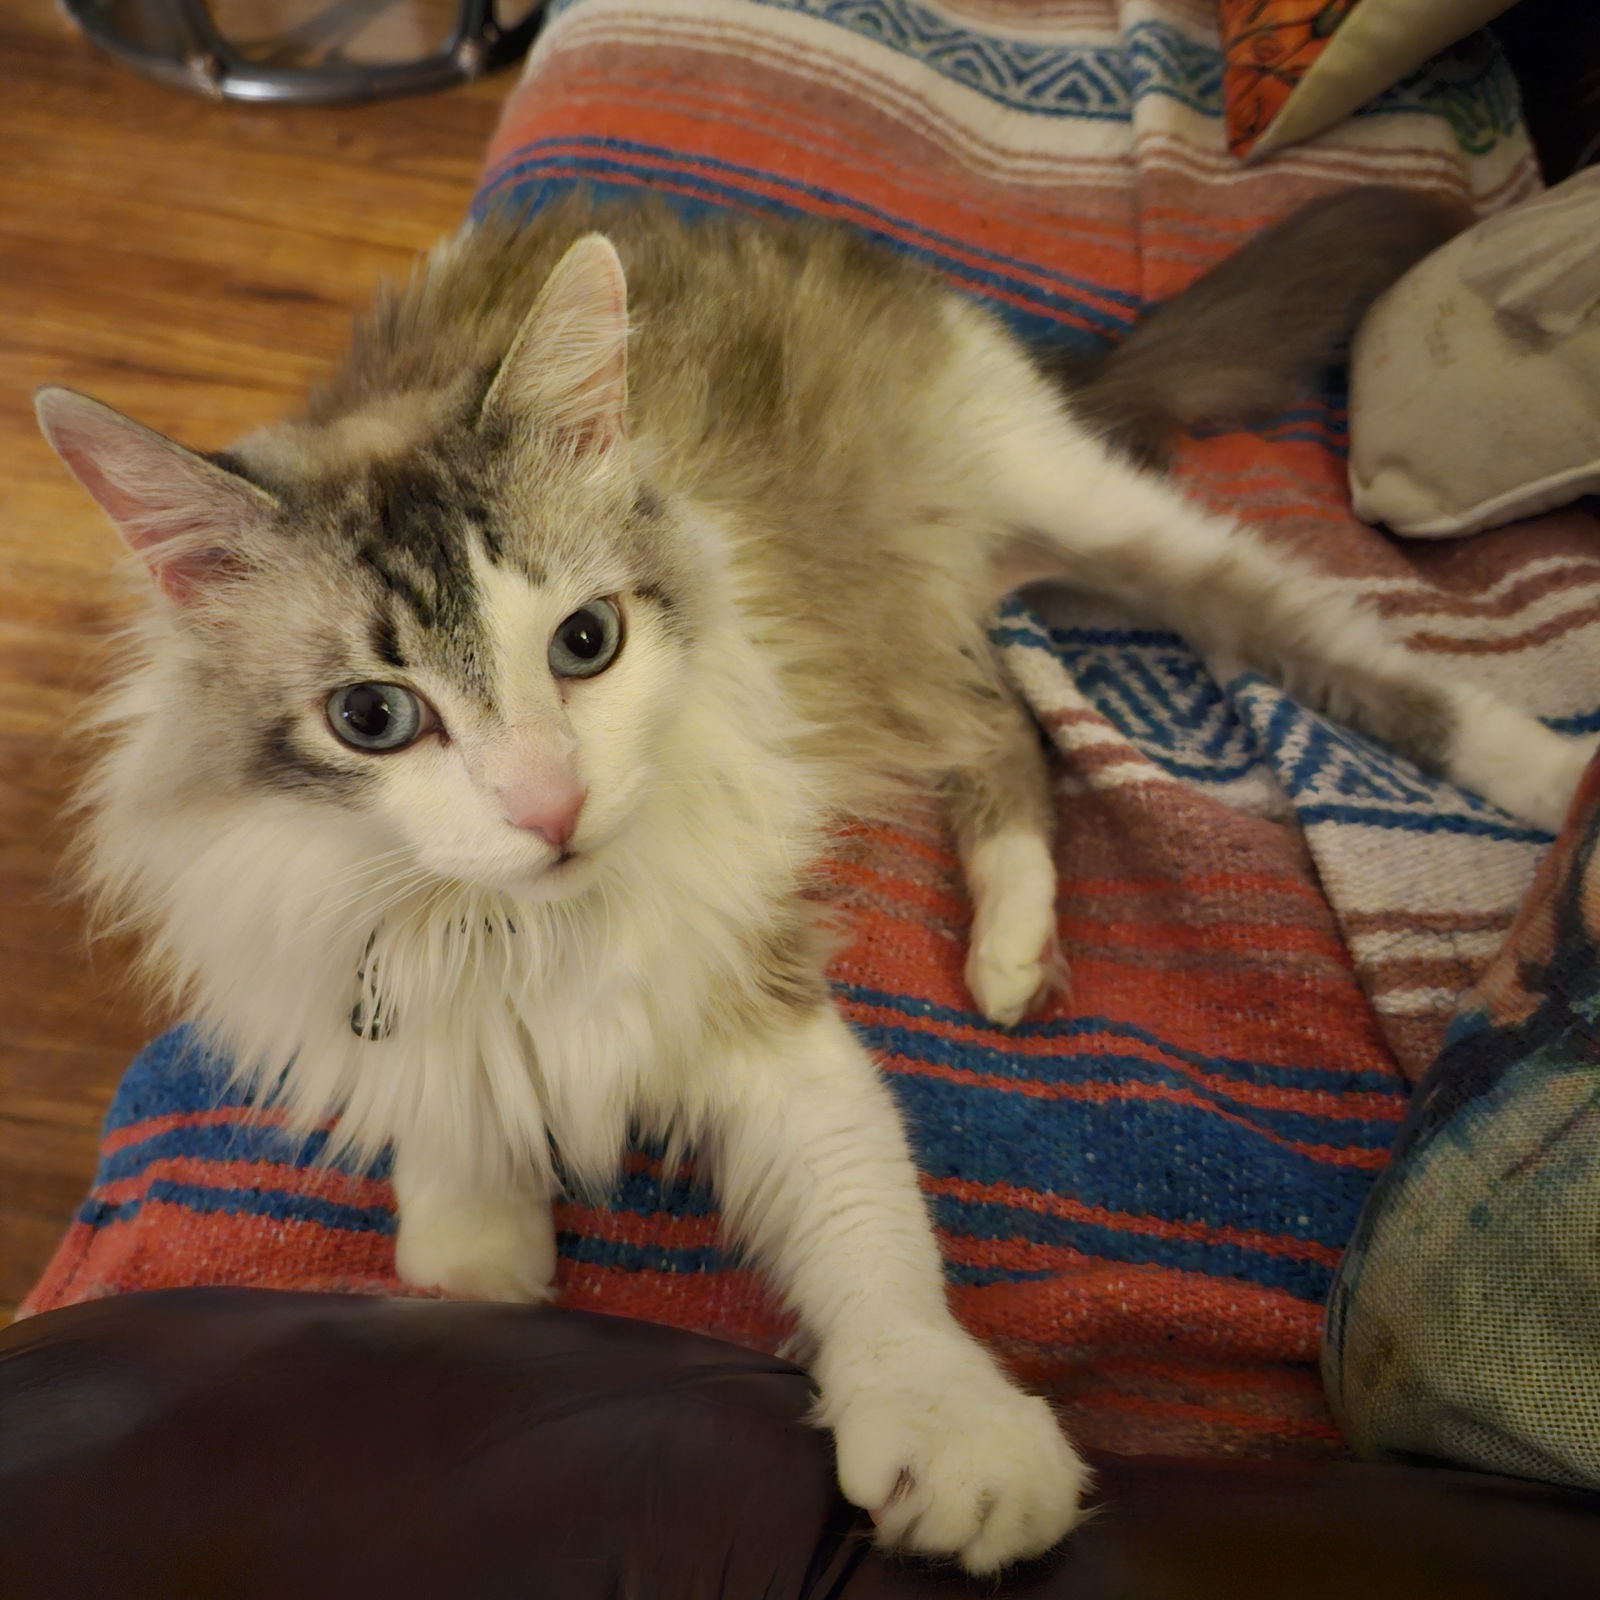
[219,1117]
[1056,1205]
[663,1229]
[953,907]
[323,1183]
[799,140]
[1361,1157]
[167,1247]
[1169,1410]
[1254,883]
[1234,934]
[732,1305]
[1108,1305]
[1220,1377]
[726,125]
[844,209]
[1352,1105]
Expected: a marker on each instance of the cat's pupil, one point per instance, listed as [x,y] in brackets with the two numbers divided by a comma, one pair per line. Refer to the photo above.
[584,634]
[367,711]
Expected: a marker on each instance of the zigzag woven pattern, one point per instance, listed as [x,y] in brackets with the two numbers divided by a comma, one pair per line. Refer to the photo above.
[1141,1196]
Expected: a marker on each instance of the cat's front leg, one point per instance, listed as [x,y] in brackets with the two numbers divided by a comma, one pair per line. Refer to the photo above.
[457,1233]
[815,1176]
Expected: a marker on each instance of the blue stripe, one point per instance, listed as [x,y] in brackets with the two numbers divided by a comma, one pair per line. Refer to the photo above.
[968,1276]
[1334,1079]
[958,248]
[1080,1071]
[241,1141]
[1486,826]
[644,1194]
[1119,1155]
[1307,1279]
[173,1075]
[644,1258]
[1229,1173]
[1580,722]
[979,1221]
[609,179]
[280,1205]
[1034,637]
[1095,83]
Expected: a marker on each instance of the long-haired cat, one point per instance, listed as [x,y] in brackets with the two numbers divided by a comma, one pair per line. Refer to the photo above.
[489,718]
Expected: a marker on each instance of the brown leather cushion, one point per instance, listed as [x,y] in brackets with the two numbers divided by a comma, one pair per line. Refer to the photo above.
[237,1444]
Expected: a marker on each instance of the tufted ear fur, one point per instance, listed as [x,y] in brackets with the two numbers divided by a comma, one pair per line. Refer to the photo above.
[186,517]
[567,366]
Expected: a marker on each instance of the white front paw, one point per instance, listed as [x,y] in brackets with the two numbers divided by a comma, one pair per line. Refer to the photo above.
[951,1460]
[509,1255]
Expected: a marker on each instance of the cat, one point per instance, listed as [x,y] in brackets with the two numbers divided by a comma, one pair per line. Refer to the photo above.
[488,720]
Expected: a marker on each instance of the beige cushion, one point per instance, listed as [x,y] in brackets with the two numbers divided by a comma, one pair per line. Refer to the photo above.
[1475,382]
[1376,45]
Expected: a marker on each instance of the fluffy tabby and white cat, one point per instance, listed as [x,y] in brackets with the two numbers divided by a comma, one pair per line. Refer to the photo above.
[490,717]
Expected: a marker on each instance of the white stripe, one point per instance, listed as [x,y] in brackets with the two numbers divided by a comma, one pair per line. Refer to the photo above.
[1416,1002]
[1426,944]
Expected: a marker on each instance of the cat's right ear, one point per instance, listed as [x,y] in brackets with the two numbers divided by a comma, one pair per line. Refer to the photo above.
[186,517]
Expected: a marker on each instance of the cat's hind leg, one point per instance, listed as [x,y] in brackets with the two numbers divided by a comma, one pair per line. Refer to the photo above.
[1079,513]
[1002,816]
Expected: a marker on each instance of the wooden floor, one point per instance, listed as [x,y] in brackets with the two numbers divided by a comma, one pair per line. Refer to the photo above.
[195,264]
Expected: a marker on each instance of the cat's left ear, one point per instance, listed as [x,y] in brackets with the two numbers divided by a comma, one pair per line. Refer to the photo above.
[568,365]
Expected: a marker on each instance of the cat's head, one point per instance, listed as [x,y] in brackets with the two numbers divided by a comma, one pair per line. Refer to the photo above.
[460,617]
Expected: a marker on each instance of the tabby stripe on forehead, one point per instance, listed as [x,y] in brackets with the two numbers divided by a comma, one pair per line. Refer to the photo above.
[281,764]
[386,642]
[677,622]
[397,583]
[480,519]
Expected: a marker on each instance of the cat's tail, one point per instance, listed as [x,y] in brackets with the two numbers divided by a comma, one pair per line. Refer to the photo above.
[1249,337]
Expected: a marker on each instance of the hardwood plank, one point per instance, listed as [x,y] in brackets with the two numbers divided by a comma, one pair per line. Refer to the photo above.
[196,264]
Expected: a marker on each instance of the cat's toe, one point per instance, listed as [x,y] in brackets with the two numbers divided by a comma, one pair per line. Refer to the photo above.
[972,1470]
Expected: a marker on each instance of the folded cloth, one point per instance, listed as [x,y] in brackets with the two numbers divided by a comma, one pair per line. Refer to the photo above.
[1141,1195]
[1465,1321]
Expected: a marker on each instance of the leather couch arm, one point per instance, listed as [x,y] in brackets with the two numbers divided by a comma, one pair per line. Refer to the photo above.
[242,1444]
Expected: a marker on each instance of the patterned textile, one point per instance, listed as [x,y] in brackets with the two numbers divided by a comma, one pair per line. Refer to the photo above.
[1273,47]
[1142,1195]
[1270,45]
[1465,1321]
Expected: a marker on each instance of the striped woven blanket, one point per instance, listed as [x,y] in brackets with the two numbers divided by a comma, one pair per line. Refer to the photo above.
[1142,1195]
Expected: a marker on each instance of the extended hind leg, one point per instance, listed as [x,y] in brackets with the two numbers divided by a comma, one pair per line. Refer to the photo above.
[1078,513]
[1002,813]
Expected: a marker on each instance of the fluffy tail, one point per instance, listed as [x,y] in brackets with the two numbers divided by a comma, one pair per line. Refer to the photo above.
[1249,337]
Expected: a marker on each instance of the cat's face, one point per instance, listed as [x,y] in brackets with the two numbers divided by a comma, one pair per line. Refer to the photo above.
[466,625]
[485,670]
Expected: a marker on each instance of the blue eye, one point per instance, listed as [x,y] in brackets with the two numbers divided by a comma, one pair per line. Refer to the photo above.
[587,642]
[377,716]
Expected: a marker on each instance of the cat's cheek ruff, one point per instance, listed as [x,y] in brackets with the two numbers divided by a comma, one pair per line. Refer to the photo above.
[272,921]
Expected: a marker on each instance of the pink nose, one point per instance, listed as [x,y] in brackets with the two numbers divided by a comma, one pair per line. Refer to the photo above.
[549,809]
